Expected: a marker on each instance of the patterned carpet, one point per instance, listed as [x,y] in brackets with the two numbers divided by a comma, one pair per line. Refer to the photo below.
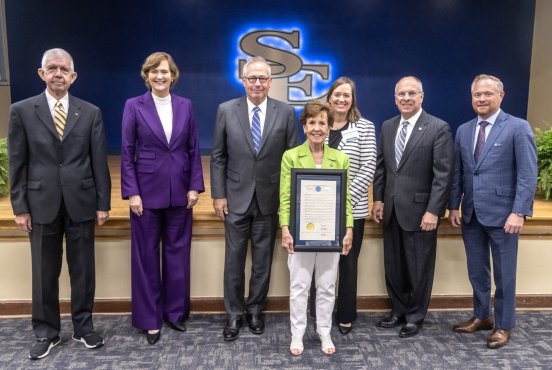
[367,346]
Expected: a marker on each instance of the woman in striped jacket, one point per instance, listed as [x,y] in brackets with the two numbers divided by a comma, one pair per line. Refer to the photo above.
[356,137]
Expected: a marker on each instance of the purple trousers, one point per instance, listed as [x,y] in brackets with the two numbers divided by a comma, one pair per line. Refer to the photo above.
[160,289]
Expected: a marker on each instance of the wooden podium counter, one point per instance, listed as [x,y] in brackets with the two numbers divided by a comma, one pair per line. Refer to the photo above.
[206,224]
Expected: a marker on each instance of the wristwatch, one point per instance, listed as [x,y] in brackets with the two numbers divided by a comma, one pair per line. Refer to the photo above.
[520,215]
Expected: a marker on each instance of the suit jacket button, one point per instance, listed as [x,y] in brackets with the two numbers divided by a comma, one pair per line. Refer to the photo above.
[476,173]
[61,164]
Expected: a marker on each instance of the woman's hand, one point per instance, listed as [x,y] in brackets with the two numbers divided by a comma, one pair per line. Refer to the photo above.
[287,240]
[347,241]
[136,205]
[193,197]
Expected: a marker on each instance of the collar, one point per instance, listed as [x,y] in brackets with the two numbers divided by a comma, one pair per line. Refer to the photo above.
[412,120]
[262,106]
[52,101]
[491,119]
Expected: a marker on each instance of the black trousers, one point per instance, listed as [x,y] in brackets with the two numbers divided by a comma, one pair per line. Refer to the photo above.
[409,259]
[346,302]
[239,230]
[46,254]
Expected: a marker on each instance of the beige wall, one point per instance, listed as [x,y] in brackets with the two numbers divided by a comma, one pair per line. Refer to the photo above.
[113,269]
[540,82]
[5,101]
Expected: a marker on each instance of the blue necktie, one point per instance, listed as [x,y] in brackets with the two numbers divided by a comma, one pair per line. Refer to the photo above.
[256,129]
[400,142]
[480,144]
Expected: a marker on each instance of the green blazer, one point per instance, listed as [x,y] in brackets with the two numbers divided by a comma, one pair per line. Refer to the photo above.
[301,157]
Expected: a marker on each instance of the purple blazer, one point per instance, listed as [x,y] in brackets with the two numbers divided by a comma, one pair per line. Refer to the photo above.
[160,172]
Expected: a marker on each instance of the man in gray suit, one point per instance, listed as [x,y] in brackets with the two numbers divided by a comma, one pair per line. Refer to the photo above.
[251,136]
[59,183]
[411,190]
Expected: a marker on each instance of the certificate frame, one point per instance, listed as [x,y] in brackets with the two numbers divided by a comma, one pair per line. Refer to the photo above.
[334,183]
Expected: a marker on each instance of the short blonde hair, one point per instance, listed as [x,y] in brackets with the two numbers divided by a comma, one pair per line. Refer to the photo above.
[498,84]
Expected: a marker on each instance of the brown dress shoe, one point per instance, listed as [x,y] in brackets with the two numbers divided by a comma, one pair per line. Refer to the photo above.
[474,324]
[499,338]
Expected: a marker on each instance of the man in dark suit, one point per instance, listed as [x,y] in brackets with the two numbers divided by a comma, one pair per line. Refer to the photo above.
[251,136]
[411,190]
[59,183]
[495,178]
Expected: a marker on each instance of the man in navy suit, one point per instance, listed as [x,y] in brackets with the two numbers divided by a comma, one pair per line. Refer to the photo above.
[495,178]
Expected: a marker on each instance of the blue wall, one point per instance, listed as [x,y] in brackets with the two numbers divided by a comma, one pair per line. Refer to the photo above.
[443,42]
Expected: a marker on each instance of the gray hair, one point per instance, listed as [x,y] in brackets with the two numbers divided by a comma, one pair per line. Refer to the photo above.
[415,79]
[57,52]
[498,84]
[255,60]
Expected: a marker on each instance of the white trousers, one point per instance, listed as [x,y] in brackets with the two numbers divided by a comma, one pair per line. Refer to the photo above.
[301,265]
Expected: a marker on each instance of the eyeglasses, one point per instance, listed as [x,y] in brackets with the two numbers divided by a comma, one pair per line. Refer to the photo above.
[487,94]
[408,94]
[253,79]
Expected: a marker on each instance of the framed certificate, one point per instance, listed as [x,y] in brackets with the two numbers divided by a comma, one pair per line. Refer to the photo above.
[317,209]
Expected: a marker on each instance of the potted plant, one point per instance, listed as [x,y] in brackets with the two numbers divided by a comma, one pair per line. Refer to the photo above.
[543,139]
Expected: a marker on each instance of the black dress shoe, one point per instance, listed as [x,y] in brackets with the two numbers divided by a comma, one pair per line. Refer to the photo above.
[178,326]
[232,329]
[153,338]
[409,330]
[256,323]
[344,330]
[391,322]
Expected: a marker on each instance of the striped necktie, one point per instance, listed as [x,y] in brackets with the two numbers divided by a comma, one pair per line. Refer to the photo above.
[60,117]
[400,142]
[256,129]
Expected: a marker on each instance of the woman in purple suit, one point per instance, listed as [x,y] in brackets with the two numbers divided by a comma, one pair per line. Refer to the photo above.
[161,176]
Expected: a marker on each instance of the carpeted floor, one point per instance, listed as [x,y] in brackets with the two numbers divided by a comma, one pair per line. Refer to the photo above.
[366,347]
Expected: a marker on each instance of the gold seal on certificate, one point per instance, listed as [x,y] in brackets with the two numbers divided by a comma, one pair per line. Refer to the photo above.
[317,218]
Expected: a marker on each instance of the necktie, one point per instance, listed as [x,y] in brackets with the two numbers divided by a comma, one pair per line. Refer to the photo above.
[60,117]
[480,141]
[256,129]
[400,142]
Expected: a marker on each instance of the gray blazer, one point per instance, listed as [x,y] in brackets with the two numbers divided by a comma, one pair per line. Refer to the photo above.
[45,170]
[423,178]
[236,171]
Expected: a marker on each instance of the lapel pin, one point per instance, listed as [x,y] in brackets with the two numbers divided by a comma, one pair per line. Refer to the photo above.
[419,129]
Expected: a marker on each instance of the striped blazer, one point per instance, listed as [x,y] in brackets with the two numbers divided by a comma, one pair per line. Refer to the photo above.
[359,143]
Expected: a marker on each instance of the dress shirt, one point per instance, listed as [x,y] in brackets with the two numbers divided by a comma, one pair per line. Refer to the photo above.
[262,112]
[411,123]
[52,103]
[491,121]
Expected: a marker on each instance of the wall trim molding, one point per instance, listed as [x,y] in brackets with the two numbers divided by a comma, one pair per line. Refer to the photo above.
[280,304]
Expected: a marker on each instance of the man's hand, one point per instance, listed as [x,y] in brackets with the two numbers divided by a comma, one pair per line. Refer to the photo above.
[454,217]
[193,197]
[514,224]
[377,211]
[287,240]
[221,207]
[347,241]
[24,222]
[102,217]
[135,202]
[429,222]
